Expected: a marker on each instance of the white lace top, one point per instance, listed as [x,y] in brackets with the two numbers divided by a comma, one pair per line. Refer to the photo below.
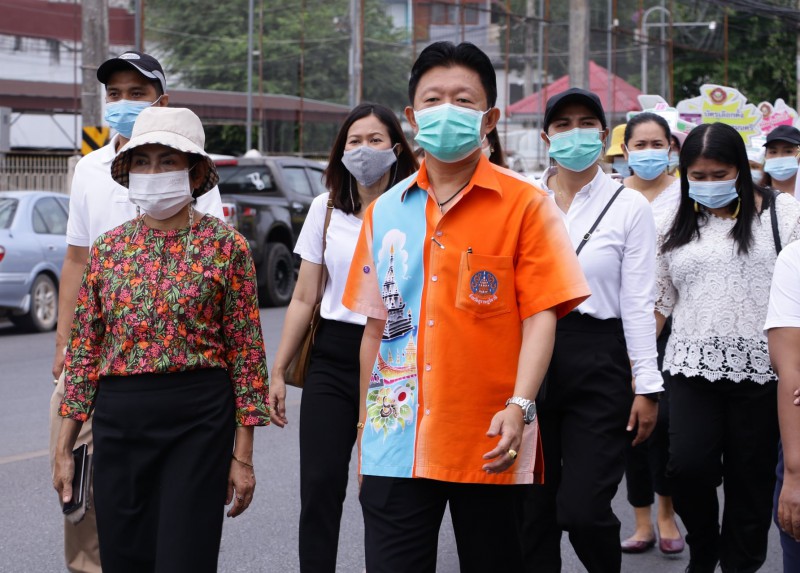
[718,298]
[666,203]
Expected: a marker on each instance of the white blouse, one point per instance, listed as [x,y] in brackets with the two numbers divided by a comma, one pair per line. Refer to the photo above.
[666,203]
[343,232]
[619,264]
[718,299]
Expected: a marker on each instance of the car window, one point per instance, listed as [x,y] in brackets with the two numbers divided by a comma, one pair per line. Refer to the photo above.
[317,181]
[245,179]
[49,217]
[297,181]
[8,207]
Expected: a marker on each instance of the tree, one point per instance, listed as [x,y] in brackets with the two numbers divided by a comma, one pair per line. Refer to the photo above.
[205,47]
[761,60]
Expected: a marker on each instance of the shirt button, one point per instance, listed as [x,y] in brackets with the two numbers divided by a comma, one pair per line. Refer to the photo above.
[427,412]
[439,233]
[430,323]
[434,278]
[428,367]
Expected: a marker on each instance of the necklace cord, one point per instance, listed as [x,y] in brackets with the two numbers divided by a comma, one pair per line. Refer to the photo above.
[453,196]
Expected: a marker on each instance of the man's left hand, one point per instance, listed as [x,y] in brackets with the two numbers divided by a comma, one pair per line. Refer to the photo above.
[644,413]
[508,425]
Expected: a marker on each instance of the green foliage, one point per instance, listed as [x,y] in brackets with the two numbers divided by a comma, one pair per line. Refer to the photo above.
[761,60]
[205,47]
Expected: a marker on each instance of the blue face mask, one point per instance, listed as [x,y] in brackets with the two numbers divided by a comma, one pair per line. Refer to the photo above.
[620,165]
[122,114]
[648,163]
[449,132]
[757,175]
[713,194]
[781,168]
[674,160]
[576,149]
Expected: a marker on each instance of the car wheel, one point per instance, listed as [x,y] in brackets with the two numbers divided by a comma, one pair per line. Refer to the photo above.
[279,285]
[43,313]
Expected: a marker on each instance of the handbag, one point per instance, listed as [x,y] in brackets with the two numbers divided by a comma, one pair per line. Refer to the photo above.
[297,369]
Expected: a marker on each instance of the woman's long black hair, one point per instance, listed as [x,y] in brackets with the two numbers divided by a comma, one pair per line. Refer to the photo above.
[719,142]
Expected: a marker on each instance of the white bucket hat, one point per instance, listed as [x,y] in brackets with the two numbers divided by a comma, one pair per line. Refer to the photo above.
[175,127]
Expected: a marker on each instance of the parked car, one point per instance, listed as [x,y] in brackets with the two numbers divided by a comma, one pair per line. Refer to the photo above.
[33,225]
[266,198]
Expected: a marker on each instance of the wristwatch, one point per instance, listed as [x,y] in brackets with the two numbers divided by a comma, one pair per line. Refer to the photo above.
[528,408]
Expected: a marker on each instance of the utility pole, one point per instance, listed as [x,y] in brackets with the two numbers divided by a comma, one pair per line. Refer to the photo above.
[527,78]
[94,48]
[579,44]
[137,25]
[356,51]
[248,136]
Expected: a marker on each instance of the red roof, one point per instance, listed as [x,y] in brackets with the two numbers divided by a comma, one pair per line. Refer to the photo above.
[624,94]
[60,21]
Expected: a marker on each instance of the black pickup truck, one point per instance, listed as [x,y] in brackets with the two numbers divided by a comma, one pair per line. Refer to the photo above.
[267,199]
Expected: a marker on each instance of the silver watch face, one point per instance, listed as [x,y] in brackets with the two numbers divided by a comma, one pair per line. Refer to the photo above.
[529,414]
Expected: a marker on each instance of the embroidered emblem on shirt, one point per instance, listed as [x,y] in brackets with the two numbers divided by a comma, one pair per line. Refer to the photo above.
[483,285]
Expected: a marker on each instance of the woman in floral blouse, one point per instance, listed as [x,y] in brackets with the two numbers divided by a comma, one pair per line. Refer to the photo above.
[714,270]
[167,349]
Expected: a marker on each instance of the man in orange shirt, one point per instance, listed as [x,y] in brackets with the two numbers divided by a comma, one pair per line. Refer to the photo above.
[462,270]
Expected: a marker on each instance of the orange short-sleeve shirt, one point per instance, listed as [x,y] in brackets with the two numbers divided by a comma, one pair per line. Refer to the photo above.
[454,290]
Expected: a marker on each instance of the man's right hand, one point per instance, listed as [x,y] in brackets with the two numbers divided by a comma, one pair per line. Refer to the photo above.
[62,475]
[58,362]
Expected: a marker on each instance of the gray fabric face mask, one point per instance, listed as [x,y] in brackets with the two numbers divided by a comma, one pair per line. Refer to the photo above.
[367,164]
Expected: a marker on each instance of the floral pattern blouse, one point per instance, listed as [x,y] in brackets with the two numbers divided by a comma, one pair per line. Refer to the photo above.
[148,306]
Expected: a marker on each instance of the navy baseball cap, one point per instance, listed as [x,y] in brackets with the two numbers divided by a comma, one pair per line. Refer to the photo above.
[143,63]
[784,133]
[574,95]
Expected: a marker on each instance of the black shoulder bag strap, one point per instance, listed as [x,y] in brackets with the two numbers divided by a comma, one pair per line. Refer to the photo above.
[773,215]
[588,235]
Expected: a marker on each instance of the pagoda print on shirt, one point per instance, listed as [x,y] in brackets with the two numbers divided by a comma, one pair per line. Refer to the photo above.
[388,441]
[398,322]
[393,382]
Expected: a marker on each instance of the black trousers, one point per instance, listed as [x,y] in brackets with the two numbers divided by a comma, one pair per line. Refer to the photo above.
[724,432]
[402,517]
[328,418]
[162,453]
[583,409]
[646,464]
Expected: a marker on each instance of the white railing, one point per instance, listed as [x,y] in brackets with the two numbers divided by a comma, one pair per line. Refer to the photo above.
[35,172]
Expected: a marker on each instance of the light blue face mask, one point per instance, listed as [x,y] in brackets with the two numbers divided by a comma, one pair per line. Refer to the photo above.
[449,132]
[122,114]
[620,165]
[713,194]
[781,168]
[757,176]
[648,163]
[674,160]
[576,149]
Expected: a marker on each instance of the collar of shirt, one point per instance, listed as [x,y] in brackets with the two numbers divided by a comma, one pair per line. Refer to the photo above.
[483,177]
[109,151]
[598,182]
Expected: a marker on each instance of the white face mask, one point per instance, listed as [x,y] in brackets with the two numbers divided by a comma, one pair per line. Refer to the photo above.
[160,195]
